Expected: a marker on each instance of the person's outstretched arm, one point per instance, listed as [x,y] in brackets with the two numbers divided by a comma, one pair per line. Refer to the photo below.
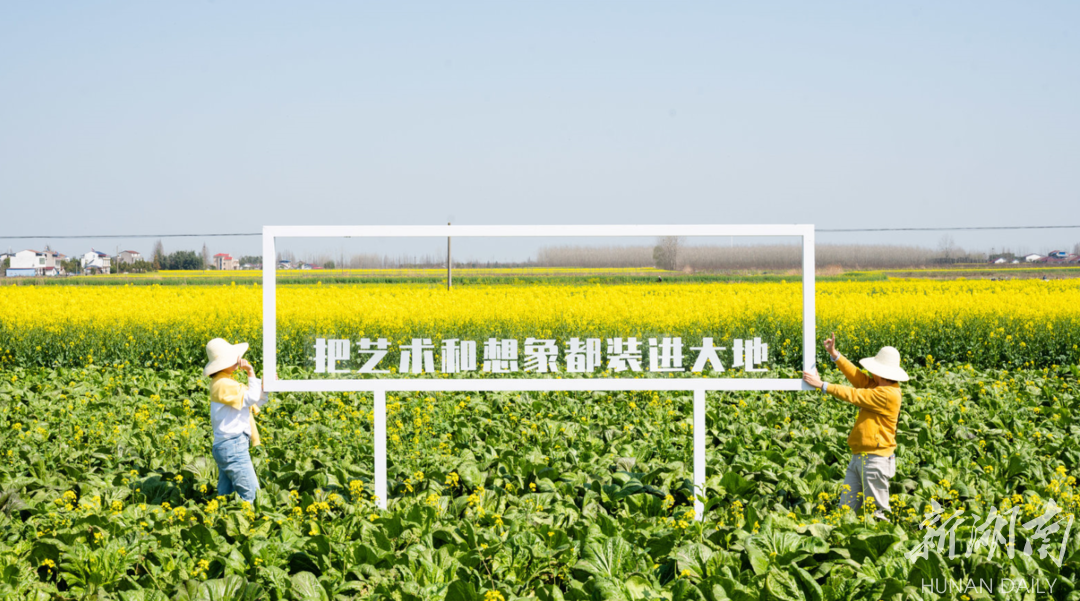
[871,399]
[853,374]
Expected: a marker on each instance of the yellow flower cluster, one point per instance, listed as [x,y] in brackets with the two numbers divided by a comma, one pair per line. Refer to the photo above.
[356,490]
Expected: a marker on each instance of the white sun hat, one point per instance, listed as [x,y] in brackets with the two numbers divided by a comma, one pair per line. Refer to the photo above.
[886,364]
[222,354]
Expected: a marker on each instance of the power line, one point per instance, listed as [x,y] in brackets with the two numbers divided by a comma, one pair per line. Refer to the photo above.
[951,229]
[823,230]
[132,236]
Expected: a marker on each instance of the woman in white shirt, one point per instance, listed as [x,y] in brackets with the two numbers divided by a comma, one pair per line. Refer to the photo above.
[232,409]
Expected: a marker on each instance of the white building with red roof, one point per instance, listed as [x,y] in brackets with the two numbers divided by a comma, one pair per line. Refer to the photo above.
[225,262]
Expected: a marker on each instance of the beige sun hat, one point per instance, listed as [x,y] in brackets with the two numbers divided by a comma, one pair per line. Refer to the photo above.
[886,364]
[222,354]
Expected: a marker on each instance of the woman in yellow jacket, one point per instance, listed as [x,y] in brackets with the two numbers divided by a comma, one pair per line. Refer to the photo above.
[873,439]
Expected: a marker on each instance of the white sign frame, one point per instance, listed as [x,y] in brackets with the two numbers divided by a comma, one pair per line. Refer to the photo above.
[379,387]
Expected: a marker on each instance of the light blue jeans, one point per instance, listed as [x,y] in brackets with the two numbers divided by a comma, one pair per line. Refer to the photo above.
[235,471]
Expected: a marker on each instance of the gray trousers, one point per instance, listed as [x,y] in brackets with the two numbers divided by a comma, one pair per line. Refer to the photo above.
[868,476]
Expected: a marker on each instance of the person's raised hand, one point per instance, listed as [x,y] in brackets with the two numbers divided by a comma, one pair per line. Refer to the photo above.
[811,378]
[830,346]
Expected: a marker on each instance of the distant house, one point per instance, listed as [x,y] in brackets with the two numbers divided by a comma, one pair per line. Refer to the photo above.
[1033,257]
[36,262]
[128,257]
[1000,260]
[225,262]
[284,264]
[95,261]
[309,266]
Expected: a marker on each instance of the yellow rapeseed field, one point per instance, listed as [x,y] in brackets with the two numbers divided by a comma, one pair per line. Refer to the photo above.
[981,322]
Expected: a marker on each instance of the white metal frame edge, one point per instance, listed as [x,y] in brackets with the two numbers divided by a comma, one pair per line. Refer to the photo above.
[379,387]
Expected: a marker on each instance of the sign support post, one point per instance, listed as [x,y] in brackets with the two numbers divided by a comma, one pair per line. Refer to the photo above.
[379,435]
[699,453]
[809,308]
[269,312]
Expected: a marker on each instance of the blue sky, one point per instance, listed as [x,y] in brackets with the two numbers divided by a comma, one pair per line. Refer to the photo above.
[134,117]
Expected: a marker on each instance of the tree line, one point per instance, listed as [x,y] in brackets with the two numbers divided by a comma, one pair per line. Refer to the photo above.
[183,260]
[673,253]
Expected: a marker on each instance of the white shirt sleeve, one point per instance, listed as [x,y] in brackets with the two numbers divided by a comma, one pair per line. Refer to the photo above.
[255,394]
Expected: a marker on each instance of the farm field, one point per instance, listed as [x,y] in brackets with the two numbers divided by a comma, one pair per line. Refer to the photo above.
[349,275]
[108,487]
[991,324]
[553,275]
[109,492]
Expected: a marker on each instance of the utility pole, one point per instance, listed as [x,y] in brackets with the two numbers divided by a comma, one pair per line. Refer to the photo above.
[449,262]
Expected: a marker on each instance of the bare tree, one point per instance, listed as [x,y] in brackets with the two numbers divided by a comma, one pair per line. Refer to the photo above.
[205,256]
[666,252]
[595,256]
[742,257]
[158,255]
[947,247]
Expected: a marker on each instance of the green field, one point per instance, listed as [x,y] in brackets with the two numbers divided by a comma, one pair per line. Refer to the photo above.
[108,492]
[526,275]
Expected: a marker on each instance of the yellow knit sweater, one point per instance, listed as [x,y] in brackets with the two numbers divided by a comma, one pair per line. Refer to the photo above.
[879,409]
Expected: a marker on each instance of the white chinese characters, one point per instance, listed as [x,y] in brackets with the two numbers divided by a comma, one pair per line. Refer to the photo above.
[538,355]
